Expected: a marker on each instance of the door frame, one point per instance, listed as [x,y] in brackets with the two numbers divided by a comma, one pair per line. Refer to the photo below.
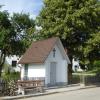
[53,73]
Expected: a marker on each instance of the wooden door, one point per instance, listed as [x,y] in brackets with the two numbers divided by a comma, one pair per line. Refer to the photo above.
[53,73]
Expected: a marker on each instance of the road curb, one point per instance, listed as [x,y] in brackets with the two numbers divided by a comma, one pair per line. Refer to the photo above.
[42,94]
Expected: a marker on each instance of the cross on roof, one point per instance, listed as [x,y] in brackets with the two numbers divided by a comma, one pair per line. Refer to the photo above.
[54,50]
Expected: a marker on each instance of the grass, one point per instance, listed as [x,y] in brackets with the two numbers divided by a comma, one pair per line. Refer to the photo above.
[88,73]
[85,74]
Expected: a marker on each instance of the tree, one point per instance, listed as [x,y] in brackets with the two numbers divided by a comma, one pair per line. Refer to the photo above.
[14,34]
[24,27]
[5,31]
[92,49]
[74,21]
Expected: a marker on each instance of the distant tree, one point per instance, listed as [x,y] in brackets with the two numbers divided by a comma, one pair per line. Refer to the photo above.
[24,27]
[16,33]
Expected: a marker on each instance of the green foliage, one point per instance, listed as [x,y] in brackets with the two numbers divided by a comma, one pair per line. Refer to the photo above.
[11,76]
[94,67]
[74,21]
[24,24]
[6,68]
[92,49]
[96,64]
[16,33]
[24,28]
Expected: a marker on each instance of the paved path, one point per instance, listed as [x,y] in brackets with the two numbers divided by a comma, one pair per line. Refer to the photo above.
[83,94]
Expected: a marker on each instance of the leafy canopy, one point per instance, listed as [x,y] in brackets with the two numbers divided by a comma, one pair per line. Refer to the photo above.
[16,33]
[76,22]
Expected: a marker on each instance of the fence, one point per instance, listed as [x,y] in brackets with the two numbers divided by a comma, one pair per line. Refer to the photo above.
[10,86]
[88,79]
[91,80]
[33,78]
[3,86]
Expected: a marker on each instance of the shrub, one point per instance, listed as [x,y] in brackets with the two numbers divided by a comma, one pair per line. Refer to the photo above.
[96,64]
[96,67]
[11,76]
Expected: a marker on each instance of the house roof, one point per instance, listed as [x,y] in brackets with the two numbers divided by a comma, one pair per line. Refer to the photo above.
[39,51]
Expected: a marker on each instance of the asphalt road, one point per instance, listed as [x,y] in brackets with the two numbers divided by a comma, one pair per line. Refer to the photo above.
[83,94]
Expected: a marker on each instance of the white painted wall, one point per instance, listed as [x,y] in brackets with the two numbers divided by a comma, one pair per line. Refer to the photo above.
[34,70]
[64,71]
[61,74]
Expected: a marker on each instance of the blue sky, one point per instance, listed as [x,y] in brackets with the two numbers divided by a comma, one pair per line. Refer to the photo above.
[26,6]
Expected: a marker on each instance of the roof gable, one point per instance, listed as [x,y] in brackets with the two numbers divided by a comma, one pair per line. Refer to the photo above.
[62,50]
[38,51]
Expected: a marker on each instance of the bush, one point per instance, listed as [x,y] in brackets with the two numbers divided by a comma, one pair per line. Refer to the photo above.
[96,64]
[11,76]
[9,82]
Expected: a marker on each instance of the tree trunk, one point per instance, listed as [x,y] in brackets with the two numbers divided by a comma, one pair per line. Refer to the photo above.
[2,61]
[0,70]
[70,72]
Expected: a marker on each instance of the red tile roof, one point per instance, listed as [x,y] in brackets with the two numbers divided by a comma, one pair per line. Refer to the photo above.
[38,51]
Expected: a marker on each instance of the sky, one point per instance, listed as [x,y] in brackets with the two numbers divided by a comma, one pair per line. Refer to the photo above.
[26,6]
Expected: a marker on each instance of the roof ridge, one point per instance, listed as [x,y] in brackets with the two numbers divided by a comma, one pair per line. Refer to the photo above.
[38,50]
[44,39]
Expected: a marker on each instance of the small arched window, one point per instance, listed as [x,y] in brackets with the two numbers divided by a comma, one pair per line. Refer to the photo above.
[54,52]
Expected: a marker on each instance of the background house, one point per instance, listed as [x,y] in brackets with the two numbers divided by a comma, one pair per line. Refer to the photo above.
[75,64]
[46,59]
[13,62]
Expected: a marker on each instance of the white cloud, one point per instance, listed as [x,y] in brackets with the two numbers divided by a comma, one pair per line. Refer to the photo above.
[26,6]
[33,16]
